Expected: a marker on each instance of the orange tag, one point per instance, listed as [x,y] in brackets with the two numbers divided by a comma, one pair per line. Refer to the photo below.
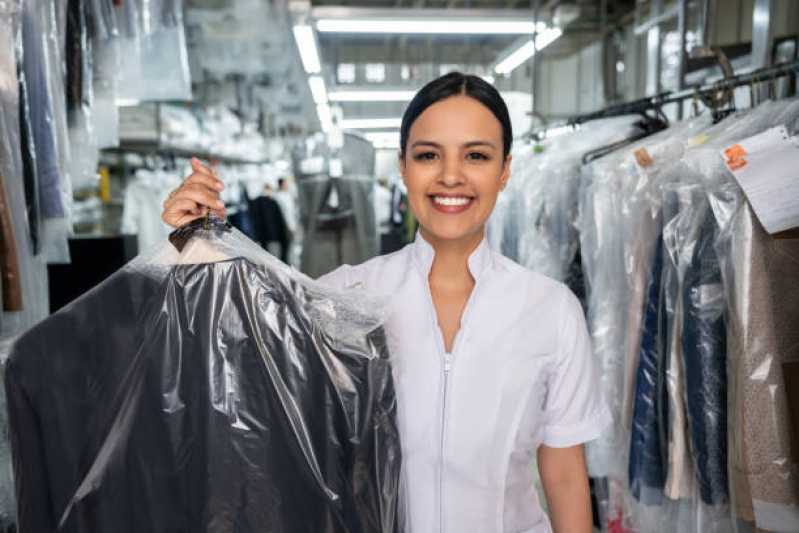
[643,158]
[736,157]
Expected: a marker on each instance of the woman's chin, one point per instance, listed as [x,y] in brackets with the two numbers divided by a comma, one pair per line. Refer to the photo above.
[452,232]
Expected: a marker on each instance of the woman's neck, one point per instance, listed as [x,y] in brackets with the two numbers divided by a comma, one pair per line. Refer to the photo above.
[451,261]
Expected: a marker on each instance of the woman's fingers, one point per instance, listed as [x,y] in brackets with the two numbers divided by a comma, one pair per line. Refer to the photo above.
[199,167]
[200,194]
[200,178]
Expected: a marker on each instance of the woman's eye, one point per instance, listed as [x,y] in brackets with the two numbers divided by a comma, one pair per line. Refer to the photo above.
[425,156]
[477,156]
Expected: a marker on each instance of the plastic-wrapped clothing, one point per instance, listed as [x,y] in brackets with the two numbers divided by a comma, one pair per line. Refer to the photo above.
[680,482]
[155,63]
[78,58]
[40,109]
[270,224]
[704,341]
[28,152]
[32,270]
[141,212]
[648,462]
[760,282]
[338,222]
[55,231]
[9,263]
[208,390]
[473,418]
[603,264]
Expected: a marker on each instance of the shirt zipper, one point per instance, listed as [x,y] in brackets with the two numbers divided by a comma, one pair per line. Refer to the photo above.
[447,367]
[448,362]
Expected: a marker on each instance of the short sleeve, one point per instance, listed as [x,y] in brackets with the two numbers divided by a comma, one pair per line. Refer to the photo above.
[575,411]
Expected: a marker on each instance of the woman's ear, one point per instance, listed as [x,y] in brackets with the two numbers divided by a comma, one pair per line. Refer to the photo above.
[505,176]
[401,157]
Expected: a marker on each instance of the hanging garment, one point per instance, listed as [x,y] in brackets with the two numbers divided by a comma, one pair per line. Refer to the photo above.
[28,153]
[648,463]
[229,395]
[680,483]
[472,420]
[760,282]
[338,222]
[9,263]
[270,224]
[143,201]
[704,347]
[40,109]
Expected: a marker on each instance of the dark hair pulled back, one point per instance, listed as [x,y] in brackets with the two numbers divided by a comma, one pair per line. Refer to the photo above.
[453,84]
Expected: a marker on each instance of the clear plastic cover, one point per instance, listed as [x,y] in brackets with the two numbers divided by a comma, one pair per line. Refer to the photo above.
[32,272]
[56,229]
[677,270]
[206,386]
[148,73]
[759,272]
[105,118]
[534,221]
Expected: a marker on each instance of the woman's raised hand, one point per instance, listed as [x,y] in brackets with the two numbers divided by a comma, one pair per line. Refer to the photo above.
[198,194]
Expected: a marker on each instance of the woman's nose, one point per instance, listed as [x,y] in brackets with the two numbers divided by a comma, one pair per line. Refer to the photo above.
[452,173]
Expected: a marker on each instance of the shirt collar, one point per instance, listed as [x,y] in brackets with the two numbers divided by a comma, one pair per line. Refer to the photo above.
[423,255]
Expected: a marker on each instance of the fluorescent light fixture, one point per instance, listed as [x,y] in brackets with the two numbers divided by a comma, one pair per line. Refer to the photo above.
[526,51]
[371,96]
[325,117]
[427,26]
[384,139]
[318,89]
[126,102]
[306,43]
[489,79]
[370,123]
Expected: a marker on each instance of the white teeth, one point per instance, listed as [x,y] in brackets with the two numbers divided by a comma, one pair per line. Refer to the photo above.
[451,200]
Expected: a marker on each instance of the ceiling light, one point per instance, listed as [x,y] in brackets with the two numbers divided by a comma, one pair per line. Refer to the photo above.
[427,26]
[309,54]
[371,96]
[489,79]
[370,123]
[325,117]
[384,139]
[318,89]
[526,51]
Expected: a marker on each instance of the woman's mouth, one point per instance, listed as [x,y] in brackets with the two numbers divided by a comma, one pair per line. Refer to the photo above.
[451,204]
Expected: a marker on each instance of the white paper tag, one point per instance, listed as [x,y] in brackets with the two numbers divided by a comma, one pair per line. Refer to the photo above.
[766,167]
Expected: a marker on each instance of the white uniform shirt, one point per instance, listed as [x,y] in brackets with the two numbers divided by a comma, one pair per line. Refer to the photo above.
[521,373]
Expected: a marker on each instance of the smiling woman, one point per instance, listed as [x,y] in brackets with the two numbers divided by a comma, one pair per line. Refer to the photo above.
[492,362]
[455,141]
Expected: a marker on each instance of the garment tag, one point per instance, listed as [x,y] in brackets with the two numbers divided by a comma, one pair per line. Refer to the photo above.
[766,166]
[643,158]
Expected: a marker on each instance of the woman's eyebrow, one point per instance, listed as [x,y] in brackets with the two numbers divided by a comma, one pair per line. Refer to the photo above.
[426,143]
[469,144]
[472,144]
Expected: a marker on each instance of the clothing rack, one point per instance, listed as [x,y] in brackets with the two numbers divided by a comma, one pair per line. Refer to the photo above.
[708,93]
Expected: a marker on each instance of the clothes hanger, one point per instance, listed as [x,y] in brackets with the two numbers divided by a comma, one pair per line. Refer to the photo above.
[647,126]
[195,241]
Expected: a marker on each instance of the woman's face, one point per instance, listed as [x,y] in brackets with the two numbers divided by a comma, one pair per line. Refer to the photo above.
[453,168]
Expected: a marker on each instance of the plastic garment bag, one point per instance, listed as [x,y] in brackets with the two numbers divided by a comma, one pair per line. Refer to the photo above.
[535,219]
[56,228]
[699,330]
[212,389]
[759,273]
[155,64]
[32,271]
